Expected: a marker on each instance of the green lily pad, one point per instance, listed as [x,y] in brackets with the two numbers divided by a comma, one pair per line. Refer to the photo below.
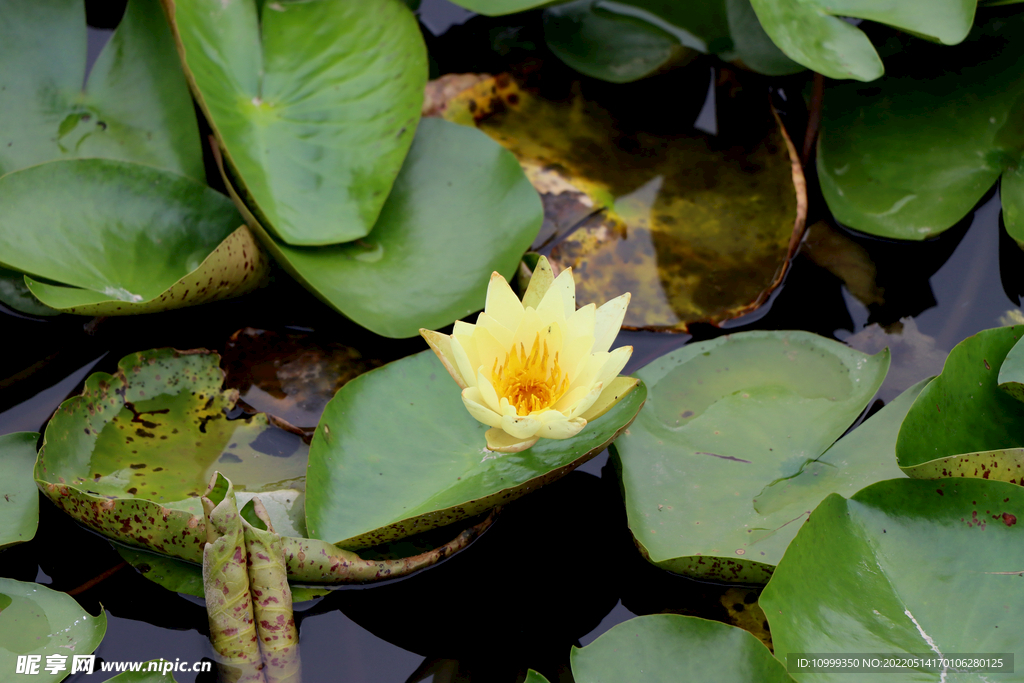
[35,620]
[964,424]
[313,102]
[904,566]
[494,8]
[689,245]
[625,41]
[726,461]
[888,170]
[534,677]
[124,238]
[1011,372]
[458,196]
[370,481]
[135,105]
[667,648]
[19,498]
[813,32]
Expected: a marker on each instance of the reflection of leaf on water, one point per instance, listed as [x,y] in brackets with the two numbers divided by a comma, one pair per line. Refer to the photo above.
[845,259]
[914,355]
[695,229]
[290,375]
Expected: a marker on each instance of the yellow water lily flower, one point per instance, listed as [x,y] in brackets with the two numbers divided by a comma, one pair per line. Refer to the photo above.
[536,368]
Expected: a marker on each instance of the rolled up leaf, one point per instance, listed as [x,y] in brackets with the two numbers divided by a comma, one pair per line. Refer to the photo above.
[226,584]
[271,596]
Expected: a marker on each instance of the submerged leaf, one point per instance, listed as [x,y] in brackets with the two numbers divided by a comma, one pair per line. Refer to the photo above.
[460,209]
[369,482]
[694,231]
[35,620]
[15,293]
[314,104]
[123,238]
[888,169]
[730,455]
[19,498]
[135,105]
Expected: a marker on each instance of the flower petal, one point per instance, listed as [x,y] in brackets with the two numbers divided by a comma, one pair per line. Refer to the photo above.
[575,354]
[442,346]
[520,426]
[502,334]
[462,361]
[609,321]
[488,350]
[487,392]
[617,360]
[562,294]
[474,402]
[612,394]
[562,429]
[584,404]
[540,283]
[570,399]
[581,323]
[501,442]
[502,303]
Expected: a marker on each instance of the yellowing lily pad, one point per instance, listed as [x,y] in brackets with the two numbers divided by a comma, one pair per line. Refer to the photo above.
[396,453]
[694,229]
[128,457]
[122,238]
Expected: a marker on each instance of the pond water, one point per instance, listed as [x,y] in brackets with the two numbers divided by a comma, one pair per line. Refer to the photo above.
[559,567]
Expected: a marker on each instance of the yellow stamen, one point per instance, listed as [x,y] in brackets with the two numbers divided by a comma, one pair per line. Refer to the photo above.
[528,380]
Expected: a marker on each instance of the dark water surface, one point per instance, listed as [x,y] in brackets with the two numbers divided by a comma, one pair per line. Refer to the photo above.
[559,567]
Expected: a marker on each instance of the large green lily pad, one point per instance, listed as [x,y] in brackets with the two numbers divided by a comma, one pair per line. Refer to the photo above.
[314,103]
[19,498]
[460,210]
[396,453]
[135,105]
[964,424]
[726,461]
[1011,372]
[124,238]
[911,155]
[695,233]
[813,32]
[35,620]
[128,457]
[904,566]
[667,648]
[625,41]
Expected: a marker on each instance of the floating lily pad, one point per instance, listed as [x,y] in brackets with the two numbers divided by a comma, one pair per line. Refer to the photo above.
[666,648]
[534,677]
[314,104]
[19,498]
[1011,372]
[964,424]
[124,238]
[814,33]
[127,459]
[904,566]
[694,232]
[494,8]
[625,41]
[135,105]
[35,620]
[887,169]
[371,481]
[460,209]
[726,462]
[290,375]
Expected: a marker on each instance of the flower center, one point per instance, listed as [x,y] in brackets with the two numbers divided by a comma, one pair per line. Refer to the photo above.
[530,381]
